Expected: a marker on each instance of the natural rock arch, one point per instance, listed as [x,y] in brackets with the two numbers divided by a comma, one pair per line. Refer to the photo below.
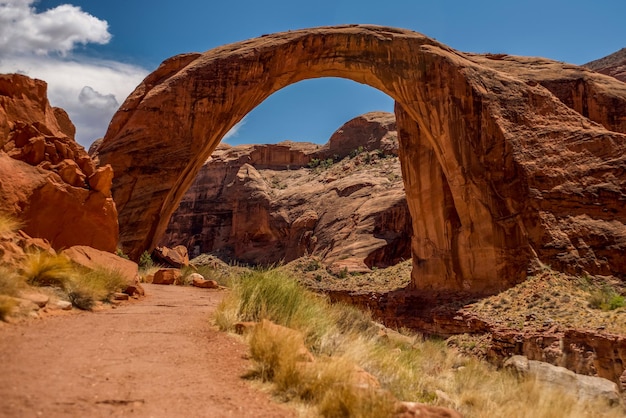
[465,126]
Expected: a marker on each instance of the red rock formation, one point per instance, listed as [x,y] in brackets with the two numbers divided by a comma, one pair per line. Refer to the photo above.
[48,181]
[267,210]
[613,65]
[504,157]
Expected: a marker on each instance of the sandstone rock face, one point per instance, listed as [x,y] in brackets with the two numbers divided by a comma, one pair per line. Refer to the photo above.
[265,210]
[503,162]
[48,181]
[613,65]
[92,259]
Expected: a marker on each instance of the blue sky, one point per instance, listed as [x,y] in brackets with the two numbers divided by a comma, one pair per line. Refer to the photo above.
[93,53]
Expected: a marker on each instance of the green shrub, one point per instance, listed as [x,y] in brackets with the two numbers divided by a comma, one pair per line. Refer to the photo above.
[145,261]
[606,299]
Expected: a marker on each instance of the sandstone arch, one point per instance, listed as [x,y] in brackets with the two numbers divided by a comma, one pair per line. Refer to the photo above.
[476,139]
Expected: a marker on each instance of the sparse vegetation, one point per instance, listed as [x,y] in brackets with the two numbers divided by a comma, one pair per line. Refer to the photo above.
[145,261]
[43,269]
[80,286]
[120,253]
[606,298]
[407,367]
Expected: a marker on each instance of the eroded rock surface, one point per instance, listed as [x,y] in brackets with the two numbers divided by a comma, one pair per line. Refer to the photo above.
[48,181]
[613,65]
[262,204]
[505,160]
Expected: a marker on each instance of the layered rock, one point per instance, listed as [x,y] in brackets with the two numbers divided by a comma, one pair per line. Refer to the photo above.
[49,182]
[505,160]
[258,204]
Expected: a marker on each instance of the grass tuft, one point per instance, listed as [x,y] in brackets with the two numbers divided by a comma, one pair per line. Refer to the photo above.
[9,224]
[7,305]
[43,269]
[10,282]
[85,289]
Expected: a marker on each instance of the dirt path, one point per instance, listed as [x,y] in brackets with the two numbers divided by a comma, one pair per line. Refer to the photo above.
[158,357]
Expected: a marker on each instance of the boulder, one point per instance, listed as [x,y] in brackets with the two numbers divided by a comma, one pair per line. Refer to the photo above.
[167,276]
[420,410]
[175,257]
[198,281]
[586,388]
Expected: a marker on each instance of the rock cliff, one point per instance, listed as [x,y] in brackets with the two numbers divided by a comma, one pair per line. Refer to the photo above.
[49,183]
[263,204]
[506,161]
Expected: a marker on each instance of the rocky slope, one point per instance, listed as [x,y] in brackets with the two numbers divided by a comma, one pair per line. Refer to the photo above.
[49,183]
[263,204]
[613,65]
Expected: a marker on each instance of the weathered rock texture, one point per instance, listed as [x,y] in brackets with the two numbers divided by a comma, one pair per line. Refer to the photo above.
[505,159]
[258,204]
[613,65]
[47,180]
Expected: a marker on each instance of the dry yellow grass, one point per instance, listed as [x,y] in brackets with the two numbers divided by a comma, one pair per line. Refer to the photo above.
[408,368]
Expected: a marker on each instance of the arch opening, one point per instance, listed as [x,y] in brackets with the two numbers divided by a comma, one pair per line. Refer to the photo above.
[342,200]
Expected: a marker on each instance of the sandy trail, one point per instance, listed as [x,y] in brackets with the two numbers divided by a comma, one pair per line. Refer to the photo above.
[157,357]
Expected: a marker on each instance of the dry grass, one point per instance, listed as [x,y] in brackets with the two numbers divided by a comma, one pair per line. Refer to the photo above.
[43,269]
[88,287]
[409,368]
[7,306]
[8,223]
[557,299]
[311,273]
[327,383]
[10,282]
[82,287]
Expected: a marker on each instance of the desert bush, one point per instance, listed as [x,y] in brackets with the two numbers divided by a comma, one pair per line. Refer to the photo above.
[145,261]
[606,298]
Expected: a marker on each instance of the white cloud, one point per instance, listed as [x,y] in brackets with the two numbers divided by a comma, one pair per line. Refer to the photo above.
[39,45]
[91,98]
[232,133]
[54,30]
[89,90]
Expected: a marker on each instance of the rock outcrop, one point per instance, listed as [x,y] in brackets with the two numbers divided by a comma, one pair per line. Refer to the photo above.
[505,160]
[613,65]
[258,204]
[49,182]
